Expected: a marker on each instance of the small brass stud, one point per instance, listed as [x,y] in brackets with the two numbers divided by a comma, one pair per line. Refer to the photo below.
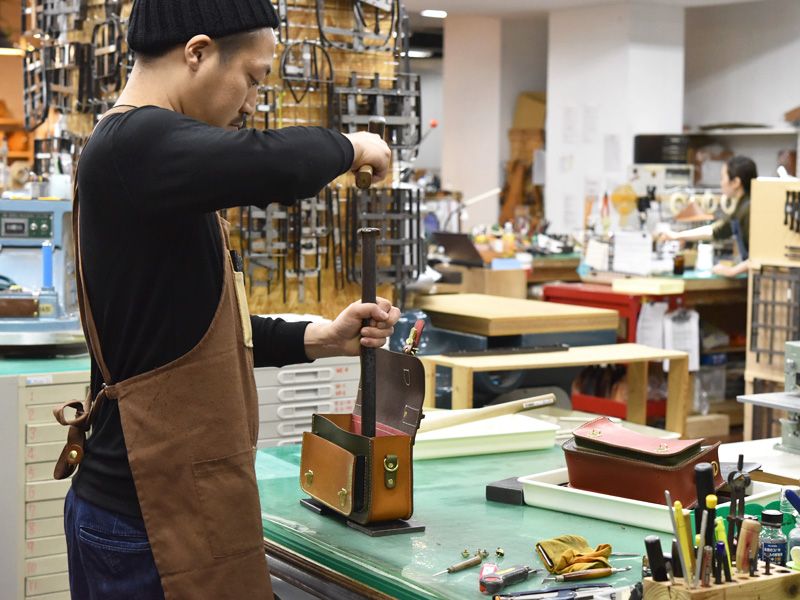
[309,477]
[73,455]
[465,553]
[343,497]
[390,482]
[500,552]
[482,553]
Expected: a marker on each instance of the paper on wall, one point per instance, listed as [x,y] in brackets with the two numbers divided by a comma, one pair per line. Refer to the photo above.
[650,325]
[682,332]
[633,252]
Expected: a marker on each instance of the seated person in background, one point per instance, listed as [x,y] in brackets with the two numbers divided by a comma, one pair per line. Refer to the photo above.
[735,180]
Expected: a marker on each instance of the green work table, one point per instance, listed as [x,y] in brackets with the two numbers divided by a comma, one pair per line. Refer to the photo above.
[449,500]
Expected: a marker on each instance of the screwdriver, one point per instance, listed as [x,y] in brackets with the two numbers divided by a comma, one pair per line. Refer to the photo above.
[494,582]
[588,574]
[465,564]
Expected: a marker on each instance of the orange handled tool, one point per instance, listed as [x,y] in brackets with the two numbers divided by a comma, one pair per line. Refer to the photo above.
[364,175]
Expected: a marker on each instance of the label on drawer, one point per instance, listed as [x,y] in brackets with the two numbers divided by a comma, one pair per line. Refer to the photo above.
[44,452]
[38,379]
[46,584]
[39,471]
[40,413]
[49,432]
[56,394]
[41,528]
[45,546]
[46,490]
[46,565]
[44,509]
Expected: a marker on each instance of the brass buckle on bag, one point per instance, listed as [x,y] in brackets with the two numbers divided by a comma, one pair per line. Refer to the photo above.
[662,448]
[390,465]
[595,433]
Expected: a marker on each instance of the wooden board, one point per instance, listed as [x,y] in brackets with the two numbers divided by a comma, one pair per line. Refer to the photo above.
[780,584]
[495,315]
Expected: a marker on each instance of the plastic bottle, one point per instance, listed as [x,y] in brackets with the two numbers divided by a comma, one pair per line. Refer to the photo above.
[772,541]
[508,238]
[794,534]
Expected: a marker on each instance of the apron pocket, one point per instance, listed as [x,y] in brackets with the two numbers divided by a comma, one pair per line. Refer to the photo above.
[231,511]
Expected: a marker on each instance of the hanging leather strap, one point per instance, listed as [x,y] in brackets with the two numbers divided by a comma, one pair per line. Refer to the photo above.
[85,413]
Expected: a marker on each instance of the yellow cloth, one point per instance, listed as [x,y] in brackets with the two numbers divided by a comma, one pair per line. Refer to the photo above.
[572,553]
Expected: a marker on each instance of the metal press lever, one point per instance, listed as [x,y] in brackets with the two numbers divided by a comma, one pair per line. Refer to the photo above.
[364,175]
[369,356]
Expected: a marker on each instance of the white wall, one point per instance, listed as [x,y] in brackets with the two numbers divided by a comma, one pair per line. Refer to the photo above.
[430,82]
[471,96]
[523,69]
[613,72]
[743,65]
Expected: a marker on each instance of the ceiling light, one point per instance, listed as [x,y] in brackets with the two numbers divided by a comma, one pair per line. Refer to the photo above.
[419,54]
[434,14]
[11,52]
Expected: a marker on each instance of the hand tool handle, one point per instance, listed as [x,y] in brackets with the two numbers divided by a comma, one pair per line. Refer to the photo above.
[494,582]
[465,564]
[369,277]
[748,540]
[704,482]
[487,412]
[364,175]
[655,557]
[588,574]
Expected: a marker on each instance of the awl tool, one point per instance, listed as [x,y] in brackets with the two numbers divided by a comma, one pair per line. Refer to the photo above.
[376,125]
[494,582]
[464,564]
[587,574]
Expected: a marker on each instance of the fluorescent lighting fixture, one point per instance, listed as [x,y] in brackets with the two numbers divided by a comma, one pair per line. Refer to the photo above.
[419,54]
[434,14]
[11,52]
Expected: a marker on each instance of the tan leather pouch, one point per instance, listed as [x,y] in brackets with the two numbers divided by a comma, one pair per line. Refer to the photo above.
[327,473]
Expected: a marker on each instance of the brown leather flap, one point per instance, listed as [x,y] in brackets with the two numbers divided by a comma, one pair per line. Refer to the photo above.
[327,473]
[604,436]
[400,392]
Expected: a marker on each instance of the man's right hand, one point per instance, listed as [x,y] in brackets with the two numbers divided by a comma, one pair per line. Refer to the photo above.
[370,149]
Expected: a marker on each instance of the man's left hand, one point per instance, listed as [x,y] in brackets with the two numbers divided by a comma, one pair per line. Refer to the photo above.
[346,334]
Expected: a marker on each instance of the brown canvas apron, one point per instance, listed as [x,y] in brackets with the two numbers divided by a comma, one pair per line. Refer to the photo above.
[190,429]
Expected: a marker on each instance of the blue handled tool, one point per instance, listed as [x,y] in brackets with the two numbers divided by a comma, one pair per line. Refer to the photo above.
[793,499]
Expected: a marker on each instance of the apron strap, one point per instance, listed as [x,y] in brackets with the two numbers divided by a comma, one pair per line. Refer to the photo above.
[85,413]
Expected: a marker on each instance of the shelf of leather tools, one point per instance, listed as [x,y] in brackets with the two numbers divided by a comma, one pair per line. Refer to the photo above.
[773,307]
[339,63]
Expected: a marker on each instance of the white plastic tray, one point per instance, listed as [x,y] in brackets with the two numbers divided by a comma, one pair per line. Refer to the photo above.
[507,433]
[547,490]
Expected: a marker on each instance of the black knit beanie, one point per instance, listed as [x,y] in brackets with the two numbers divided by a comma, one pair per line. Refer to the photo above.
[159,24]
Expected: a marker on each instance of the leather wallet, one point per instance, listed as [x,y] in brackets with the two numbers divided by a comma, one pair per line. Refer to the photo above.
[609,459]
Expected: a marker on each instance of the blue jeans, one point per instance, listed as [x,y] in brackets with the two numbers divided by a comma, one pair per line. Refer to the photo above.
[109,554]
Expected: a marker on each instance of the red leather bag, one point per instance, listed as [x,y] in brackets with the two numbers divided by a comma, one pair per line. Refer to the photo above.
[609,459]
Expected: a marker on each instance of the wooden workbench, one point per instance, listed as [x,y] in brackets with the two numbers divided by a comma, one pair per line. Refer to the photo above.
[495,315]
[636,356]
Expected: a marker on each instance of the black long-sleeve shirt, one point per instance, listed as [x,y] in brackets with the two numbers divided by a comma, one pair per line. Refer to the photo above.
[150,181]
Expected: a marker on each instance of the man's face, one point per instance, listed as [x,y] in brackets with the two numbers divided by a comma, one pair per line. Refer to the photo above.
[729,188]
[225,90]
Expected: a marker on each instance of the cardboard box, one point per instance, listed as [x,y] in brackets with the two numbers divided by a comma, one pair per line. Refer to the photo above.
[708,426]
[512,283]
[530,110]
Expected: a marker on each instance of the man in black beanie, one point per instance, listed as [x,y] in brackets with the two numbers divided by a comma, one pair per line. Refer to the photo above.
[165,502]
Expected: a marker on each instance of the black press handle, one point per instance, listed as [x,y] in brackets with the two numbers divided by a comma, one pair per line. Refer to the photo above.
[369,356]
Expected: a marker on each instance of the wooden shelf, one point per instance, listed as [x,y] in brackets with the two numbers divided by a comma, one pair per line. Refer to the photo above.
[727,349]
[745,131]
[11,123]
[20,154]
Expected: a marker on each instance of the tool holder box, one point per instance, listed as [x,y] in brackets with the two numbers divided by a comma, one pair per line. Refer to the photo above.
[782,583]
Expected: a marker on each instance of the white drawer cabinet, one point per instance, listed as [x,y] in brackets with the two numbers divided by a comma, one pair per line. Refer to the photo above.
[33,545]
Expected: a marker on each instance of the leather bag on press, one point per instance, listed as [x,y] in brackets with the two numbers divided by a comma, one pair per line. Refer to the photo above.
[360,464]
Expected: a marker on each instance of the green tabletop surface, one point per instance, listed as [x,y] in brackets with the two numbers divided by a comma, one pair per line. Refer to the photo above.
[450,501]
[32,366]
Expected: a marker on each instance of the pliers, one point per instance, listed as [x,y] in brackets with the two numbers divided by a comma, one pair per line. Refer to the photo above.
[738,482]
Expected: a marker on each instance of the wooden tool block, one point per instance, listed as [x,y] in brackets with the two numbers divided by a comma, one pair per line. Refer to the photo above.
[781,584]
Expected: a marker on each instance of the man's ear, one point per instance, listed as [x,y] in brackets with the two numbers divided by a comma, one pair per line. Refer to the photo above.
[196,50]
